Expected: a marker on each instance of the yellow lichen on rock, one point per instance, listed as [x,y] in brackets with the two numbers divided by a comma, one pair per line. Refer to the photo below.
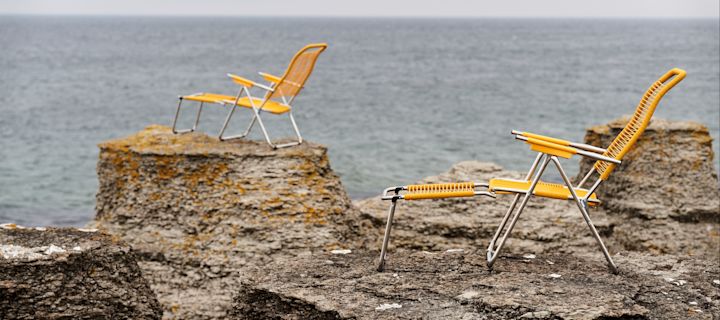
[200,209]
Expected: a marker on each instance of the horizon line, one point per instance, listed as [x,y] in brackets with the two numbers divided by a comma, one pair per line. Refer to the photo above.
[342,16]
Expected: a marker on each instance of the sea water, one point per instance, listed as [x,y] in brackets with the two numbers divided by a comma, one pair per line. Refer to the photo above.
[394,99]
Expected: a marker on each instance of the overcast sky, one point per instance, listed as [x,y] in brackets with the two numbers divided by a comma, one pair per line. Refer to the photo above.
[391,8]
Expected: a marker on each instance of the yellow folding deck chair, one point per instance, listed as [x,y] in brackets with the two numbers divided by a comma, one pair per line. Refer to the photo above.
[277,100]
[549,149]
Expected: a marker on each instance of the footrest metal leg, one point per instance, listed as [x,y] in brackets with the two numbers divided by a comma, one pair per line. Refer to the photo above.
[386,239]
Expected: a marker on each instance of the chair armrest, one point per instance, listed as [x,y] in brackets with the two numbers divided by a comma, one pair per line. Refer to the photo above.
[241,81]
[269,77]
[562,150]
[247,83]
[560,141]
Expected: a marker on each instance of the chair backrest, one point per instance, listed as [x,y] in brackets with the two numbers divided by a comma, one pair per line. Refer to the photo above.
[297,73]
[639,121]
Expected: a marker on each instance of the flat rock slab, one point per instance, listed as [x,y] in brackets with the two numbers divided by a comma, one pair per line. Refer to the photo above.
[67,273]
[456,285]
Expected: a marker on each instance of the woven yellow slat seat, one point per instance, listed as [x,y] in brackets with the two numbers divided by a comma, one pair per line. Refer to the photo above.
[269,106]
[440,190]
[543,189]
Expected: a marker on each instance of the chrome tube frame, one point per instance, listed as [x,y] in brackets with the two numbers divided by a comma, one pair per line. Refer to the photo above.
[393,194]
[573,144]
[594,187]
[583,153]
[493,251]
[388,228]
[586,177]
[583,206]
[512,205]
[177,115]
[587,147]
[257,118]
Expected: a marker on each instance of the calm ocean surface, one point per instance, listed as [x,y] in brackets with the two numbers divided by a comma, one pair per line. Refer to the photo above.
[395,100]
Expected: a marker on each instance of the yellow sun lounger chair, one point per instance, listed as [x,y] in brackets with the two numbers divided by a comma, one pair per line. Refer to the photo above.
[549,150]
[277,100]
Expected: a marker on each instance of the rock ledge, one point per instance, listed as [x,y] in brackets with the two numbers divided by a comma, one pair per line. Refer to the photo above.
[456,285]
[54,273]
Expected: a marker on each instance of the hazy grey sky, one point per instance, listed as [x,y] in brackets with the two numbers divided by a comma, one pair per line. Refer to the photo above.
[393,8]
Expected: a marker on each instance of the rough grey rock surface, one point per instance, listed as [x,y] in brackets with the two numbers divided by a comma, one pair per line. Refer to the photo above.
[199,211]
[456,285]
[670,173]
[546,225]
[66,273]
[204,214]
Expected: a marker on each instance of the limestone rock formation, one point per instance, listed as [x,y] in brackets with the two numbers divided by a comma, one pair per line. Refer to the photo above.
[669,173]
[199,211]
[210,219]
[456,285]
[67,273]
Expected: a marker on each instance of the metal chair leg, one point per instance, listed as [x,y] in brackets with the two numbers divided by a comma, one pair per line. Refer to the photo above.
[177,115]
[262,127]
[256,117]
[492,252]
[500,228]
[297,133]
[582,205]
[227,121]
[249,127]
[197,118]
[512,207]
[243,135]
[232,110]
[386,239]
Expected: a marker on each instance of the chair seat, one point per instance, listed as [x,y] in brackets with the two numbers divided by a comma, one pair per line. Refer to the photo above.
[543,189]
[270,106]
